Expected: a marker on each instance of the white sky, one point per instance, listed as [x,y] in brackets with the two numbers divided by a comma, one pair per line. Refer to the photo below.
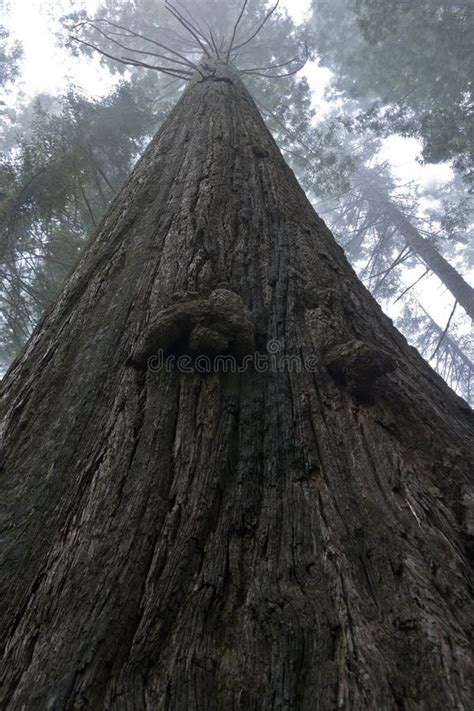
[297,9]
[48,68]
[404,154]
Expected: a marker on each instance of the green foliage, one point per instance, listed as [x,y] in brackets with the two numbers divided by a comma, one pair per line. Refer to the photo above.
[54,187]
[10,54]
[410,64]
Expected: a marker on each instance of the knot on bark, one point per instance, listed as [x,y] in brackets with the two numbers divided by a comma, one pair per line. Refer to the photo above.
[259,151]
[317,298]
[215,69]
[220,324]
[359,367]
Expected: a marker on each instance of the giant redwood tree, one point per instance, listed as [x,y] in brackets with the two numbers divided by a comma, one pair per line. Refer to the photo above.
[289,533]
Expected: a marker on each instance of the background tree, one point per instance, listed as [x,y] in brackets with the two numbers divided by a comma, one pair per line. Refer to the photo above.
[10,54]
[384,236]
[409,64]
[451,353]
[56,185]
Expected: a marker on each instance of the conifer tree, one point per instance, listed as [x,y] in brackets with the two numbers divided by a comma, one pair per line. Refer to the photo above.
[227,481]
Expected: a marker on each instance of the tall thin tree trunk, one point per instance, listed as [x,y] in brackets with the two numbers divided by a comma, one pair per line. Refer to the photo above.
[287,539]
[426,250]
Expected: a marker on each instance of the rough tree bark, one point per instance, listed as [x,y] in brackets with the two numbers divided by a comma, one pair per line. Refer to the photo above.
[289,539]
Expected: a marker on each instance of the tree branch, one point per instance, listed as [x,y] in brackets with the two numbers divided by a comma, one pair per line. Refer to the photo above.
[445,330]
[179,73]
[188,26]
[427,271]
[234,31]
[254,34]
[139,36]
[186,62]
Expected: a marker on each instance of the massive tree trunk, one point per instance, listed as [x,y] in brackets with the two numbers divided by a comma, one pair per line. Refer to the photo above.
[288,537]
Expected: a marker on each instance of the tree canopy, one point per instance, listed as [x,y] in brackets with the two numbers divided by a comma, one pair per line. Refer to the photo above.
[410,65]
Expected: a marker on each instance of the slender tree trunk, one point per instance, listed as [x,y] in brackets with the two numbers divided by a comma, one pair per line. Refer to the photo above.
[448,275]
[279,538]
[459,353]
